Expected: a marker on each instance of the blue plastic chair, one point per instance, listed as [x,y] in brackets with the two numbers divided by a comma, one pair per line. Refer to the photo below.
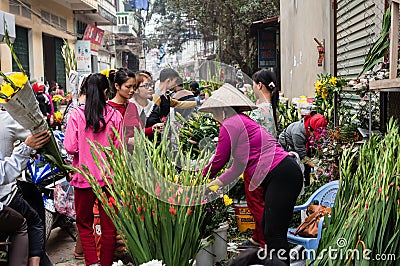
[325,196]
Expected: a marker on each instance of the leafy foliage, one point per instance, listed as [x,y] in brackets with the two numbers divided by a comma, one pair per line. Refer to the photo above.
[288,113]
[151,226]
[367,207]
[228,21]
[378,50]
[200,127]
[325,88]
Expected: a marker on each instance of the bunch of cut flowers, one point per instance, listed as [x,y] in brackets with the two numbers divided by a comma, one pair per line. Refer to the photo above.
[158,198]
[18,99]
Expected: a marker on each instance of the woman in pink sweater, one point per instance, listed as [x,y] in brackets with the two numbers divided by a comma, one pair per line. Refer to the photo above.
[92,121]
[257,154]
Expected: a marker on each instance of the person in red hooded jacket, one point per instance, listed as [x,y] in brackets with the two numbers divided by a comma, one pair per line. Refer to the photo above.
[296,138]
[45,101]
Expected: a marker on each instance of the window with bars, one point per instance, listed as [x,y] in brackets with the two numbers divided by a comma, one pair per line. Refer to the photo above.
[19,9]
[53,19]
[45,15]
[122,20]
[63,23]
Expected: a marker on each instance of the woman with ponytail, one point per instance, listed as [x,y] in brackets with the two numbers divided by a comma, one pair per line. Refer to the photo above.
[94,120]
[267,93]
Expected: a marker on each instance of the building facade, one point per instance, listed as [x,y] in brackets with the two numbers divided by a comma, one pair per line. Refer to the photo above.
[41,28]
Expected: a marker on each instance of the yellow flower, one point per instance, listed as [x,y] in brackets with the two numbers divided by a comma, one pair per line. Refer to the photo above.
[318,86]
[58,115]
[324,94]
[333,81]
[241,177]
[213,187]
[19,79]
[57,98]
[7,90]
[106,72]
[227,200]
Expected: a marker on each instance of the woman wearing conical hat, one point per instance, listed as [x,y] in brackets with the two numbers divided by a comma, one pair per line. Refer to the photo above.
[260,157]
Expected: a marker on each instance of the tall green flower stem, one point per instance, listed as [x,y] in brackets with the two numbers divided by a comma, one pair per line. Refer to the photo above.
[158,196]
[366,215]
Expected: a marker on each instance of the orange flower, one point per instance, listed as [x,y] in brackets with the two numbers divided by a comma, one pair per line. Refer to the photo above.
[189,211]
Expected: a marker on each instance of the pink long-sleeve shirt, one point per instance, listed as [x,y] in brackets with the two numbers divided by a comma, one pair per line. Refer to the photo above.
[254,151]
[76,142]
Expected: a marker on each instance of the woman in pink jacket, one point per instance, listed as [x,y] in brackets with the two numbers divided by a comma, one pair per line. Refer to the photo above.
[93,121]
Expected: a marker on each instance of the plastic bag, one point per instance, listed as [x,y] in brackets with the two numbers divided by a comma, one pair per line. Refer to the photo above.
[64,199]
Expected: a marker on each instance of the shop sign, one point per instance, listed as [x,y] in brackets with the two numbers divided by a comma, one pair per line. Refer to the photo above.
[94,35]
[266,48]
[83,57]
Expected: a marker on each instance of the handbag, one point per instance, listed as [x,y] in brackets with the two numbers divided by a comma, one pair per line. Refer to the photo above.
[309,227]
[64,199]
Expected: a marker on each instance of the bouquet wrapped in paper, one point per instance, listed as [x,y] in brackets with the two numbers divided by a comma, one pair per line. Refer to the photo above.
[18,98]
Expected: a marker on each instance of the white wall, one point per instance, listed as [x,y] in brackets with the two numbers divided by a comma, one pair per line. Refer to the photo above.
[300,22]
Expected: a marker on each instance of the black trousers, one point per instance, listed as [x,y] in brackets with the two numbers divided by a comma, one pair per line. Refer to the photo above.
[282,187]
[35,225]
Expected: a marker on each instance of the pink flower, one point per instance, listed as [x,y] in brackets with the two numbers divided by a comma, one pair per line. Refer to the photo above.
[171,200]
[179,191]
[380,191]
[158,190]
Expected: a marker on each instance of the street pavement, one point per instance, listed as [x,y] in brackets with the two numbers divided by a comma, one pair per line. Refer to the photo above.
[60,248]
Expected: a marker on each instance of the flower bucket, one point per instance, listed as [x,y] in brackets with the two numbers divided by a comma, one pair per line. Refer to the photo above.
[219,246]
[24,108]
[244,218]
[205,257]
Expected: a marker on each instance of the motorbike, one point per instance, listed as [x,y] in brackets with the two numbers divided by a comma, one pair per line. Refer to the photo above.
[46,180]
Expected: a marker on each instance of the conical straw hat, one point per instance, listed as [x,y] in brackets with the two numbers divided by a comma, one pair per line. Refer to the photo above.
[227,96]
